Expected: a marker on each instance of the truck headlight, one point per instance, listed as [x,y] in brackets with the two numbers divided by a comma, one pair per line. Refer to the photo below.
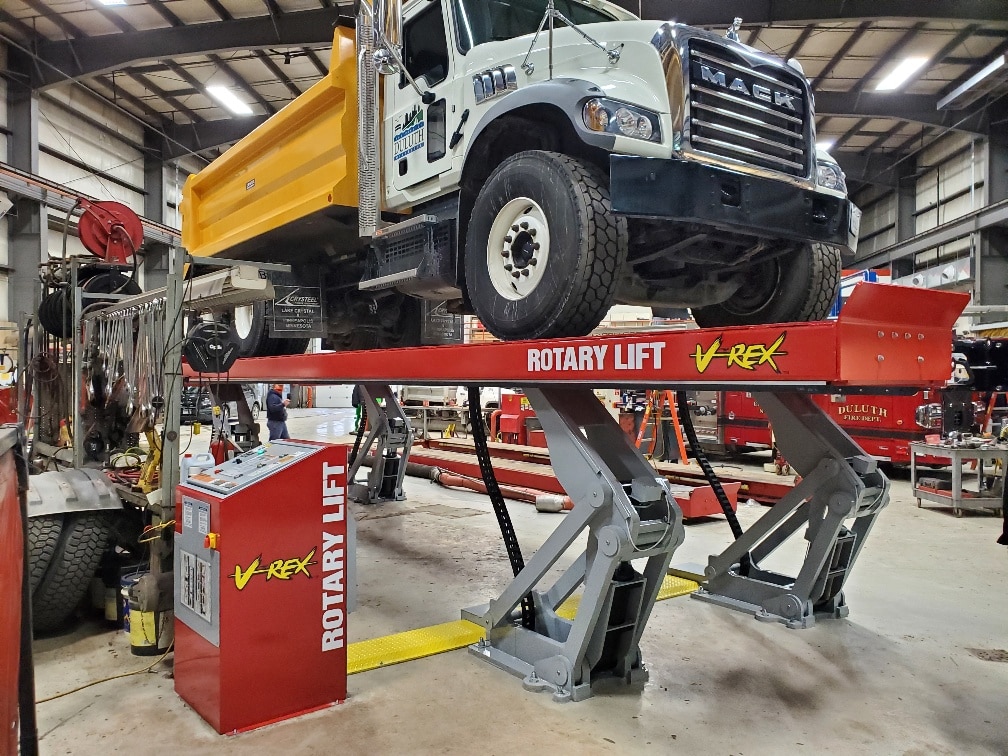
[829,176]
[611,117]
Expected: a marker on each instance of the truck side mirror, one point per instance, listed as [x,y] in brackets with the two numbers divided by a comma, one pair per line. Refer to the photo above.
[388,20]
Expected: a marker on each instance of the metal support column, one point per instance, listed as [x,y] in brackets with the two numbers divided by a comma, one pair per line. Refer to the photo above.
[629,515]
[27,224]
[161,556]
[839,483]
[155,259]
[392,430]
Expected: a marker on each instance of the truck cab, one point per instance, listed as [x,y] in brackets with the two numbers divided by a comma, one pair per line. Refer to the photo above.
[694,152]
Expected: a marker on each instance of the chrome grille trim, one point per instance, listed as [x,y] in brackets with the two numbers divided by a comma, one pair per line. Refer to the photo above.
[747,109]
[746,135]
[739,117]
[746,151]
[747,103]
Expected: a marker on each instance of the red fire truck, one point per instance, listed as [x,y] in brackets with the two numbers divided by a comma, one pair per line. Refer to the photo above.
[884,425]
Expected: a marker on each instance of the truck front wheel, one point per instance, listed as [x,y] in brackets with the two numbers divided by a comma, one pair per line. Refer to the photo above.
[543,249]
[793,288]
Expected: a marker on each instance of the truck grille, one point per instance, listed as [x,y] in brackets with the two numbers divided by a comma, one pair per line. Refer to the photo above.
[756,115]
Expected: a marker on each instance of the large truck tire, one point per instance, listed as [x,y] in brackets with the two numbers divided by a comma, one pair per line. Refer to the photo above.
[544,250]
[254,340]
[793,288]
[63,554]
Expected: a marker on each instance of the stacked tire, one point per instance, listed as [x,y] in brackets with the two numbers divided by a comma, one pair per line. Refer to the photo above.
[64,551]
[56,308]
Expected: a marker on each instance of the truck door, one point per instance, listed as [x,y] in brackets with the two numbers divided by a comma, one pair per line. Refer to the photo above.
[416,135]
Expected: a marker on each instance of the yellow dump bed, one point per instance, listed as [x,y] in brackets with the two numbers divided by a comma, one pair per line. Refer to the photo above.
[287,181]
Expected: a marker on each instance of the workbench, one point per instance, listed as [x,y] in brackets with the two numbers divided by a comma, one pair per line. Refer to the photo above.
[975,494]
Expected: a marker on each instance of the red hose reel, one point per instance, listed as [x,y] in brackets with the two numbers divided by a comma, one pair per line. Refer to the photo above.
[109,230]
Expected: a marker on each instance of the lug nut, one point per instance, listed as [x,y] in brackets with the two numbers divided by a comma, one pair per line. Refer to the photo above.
[524,225]
[509,267]
[515,229]
[532,232]
[516,274]
[505,253]
[508,240]
[535,246]
[533,261]
[525,271]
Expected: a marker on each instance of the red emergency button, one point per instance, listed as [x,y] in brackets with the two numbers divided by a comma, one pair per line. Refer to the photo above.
[212,541]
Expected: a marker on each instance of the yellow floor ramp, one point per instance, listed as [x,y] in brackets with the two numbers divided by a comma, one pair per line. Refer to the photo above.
[448,636]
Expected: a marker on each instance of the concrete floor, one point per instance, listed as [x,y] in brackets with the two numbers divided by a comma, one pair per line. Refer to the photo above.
[901,675]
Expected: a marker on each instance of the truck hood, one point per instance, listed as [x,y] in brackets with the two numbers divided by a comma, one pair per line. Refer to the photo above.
[636,77]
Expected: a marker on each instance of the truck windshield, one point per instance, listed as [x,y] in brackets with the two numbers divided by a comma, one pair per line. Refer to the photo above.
[479,21]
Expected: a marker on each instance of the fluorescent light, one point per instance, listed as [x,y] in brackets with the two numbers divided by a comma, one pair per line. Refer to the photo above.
[229,100]
[113,2]
[972,81]
[901,73]
[826,144]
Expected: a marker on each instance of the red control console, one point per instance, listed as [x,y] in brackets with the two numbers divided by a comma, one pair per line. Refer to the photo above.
[261,556]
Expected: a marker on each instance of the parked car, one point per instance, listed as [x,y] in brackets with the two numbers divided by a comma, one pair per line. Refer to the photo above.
[197,403]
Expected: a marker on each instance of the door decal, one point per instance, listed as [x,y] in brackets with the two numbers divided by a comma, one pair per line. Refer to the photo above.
[408,133]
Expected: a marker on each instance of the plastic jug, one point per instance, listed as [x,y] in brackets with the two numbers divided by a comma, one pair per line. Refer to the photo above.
[194,464]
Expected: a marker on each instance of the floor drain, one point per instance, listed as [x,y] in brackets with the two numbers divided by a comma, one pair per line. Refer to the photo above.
[990,654]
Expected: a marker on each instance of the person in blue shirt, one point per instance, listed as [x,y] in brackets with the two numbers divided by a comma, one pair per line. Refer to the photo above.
[276,413]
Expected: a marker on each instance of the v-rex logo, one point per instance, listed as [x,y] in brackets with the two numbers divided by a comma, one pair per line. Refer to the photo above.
[744,356]
[279,569]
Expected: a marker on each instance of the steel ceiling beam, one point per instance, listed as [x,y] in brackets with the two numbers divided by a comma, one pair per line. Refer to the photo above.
[883,168]
[274,69]
[802,38]
[191,138]
[892,52]
[905,107]
[86,56]
[316,61]
[884,137]
[842,139]
[1001,49]
[240,82]
[721,12]
[851,40]
[991,216]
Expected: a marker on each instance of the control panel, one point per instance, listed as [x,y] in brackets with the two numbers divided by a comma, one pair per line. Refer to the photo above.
[263,568]
[249,468]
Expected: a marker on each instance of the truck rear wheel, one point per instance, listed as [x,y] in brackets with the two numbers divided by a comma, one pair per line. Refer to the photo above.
[543,249]
[793,288]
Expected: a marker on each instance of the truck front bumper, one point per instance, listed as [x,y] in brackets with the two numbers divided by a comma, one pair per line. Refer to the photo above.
[682,191]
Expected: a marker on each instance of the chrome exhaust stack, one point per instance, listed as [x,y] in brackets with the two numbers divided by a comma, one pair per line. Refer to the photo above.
[368,123]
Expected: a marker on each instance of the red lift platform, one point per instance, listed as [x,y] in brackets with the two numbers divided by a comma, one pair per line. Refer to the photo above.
[887,338]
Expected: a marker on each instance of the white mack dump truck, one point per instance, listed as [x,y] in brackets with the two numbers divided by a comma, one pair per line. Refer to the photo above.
[533,163]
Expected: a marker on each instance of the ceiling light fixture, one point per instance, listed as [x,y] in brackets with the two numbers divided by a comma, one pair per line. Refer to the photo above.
[825,144]
[900,74]
[113,2]
[229,100]
[972,81]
